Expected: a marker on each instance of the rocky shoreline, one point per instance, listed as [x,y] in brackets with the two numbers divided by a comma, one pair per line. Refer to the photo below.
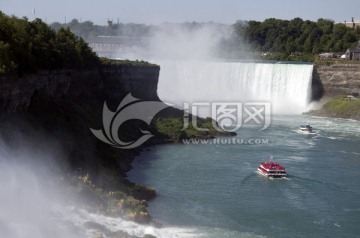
[332,81]
[332,78]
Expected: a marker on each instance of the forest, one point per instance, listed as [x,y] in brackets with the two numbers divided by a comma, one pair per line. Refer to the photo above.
[26,47]
[294,38]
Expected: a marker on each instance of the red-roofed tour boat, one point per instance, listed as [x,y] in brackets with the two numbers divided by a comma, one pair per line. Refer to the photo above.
[271,169]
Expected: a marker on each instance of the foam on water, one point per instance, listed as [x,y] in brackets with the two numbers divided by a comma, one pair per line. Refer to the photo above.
[80,217]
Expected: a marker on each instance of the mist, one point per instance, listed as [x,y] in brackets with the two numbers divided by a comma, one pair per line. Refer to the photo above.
[32,200]
[197,66]
[38,201]
[186,41]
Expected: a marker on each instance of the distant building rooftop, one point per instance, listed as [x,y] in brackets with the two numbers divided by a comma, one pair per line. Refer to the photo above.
[353,53]
[351,24]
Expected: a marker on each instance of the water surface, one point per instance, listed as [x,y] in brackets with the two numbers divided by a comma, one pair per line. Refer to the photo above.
[214,189]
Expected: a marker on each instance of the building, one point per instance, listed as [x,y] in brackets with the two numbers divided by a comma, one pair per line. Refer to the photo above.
[353,54]
[113,46]
[352,24]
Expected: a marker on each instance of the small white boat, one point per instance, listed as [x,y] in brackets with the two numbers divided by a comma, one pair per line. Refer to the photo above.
[306,129]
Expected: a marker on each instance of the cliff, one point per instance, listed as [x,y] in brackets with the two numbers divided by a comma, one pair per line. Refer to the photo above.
[62,106]
[332,78]
[67,103]
[105,83]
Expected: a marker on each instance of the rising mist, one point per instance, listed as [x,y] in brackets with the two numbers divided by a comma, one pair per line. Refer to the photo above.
[33,201]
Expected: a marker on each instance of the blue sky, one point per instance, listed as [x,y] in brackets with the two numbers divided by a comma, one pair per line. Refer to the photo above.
[158,11]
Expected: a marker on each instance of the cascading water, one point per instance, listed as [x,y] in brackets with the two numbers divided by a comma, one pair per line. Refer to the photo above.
[286,86]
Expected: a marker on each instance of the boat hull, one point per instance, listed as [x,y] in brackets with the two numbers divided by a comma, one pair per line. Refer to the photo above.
[272,175]
[306,132]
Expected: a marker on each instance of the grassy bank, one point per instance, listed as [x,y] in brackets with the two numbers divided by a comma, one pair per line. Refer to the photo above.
[340,108]
[336,62]
[173,128]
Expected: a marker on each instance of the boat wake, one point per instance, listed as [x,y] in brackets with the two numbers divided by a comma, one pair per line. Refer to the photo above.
[244,180]
[307,179]
[279,178]
[335,186]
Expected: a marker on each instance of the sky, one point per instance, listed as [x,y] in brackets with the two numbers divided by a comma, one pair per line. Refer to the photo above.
[177,11]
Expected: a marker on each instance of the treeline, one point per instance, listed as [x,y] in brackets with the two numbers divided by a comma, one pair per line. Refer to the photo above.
[89,31]
[295,38]
[29,46]
[26,47]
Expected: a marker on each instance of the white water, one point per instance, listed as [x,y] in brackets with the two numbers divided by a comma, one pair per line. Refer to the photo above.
[286,86]
[34,203]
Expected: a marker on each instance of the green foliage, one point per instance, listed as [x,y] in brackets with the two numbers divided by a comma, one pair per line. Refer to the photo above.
[7,65]
[340,107]
[110,202]
[326,63]
[111,62]
[26,47]
[89,31]
[286,57]
[296,39]
[171,127]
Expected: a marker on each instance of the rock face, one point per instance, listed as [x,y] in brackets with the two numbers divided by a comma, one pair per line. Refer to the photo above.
[141,81]
[334,79]
[62,106]
[108,82]
[66,104]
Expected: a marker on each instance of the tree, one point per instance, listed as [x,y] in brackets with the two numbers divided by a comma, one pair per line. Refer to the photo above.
[26,47]
[7,64]
[296,37]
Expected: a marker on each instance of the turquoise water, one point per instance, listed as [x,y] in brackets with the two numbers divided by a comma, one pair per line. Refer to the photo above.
[214,191]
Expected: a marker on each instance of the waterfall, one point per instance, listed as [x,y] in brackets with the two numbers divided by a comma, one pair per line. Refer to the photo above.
[286,86]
